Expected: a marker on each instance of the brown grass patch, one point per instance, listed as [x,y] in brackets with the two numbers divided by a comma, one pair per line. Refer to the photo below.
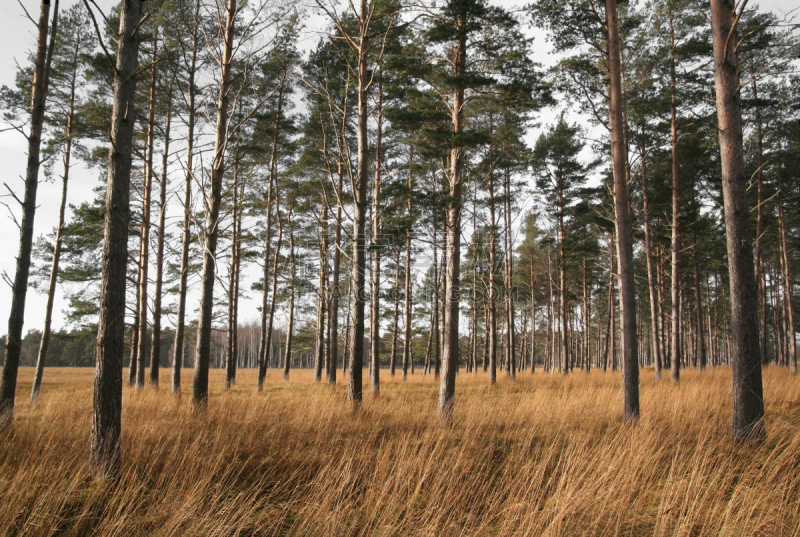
[544,455]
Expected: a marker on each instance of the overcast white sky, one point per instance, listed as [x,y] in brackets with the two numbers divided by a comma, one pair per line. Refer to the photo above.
[16,39]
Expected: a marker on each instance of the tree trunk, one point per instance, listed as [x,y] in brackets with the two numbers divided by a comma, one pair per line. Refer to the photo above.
[272,189]
[533,322]
[333,323]
[701,341]
[209,239]
[375,317]
[630,369]
[509,275]
[651,277]
[748,398]
[287,356]
[51,289]
[396,319]
[144,243]
[788,278]
[155,346]
[408,348]
[41,68]
[322,299]
[562,286]
[440,286]
[354,389]
[104,449]
[230,354]
[491,325]
[435,299]
[675,371]
[759,261]
[447,386]
[178,354]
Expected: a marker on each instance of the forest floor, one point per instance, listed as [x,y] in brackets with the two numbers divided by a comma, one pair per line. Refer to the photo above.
[542,455]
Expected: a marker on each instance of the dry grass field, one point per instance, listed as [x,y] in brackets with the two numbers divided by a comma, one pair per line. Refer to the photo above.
[544,455]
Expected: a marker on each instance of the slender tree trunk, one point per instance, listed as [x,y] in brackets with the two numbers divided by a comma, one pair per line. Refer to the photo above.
[178,354]
[491,326]
[145,225]
[509,274]
[155,346]
[585,316]
[274,291]
[748,398]
[675,372]
[375,318]
[322,299]
[104,448]
[440,286]
[435,297]
[209,239]
[701,342]
[396,319]
[287,356]
[41,68]
[533,321]
[134,363]
[51,289]
[272,191]
[447,386]
[354,389]
[333,323]
[230,350]
[346,362]
[408,345]
[562,287]
[630,369]
[788,277]
[651,277]
[759,261]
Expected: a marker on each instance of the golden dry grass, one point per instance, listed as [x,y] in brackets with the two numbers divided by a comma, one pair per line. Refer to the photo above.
[544,455]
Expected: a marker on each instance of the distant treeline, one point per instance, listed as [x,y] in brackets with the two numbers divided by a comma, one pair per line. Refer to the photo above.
[73,348]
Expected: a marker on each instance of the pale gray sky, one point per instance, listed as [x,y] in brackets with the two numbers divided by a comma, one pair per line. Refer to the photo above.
[17,37]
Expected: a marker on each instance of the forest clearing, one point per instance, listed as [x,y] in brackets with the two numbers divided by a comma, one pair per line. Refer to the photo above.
[542,455]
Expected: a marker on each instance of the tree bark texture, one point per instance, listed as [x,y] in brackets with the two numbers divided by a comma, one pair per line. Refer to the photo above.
[630,368]
[104,451]
[748,397]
